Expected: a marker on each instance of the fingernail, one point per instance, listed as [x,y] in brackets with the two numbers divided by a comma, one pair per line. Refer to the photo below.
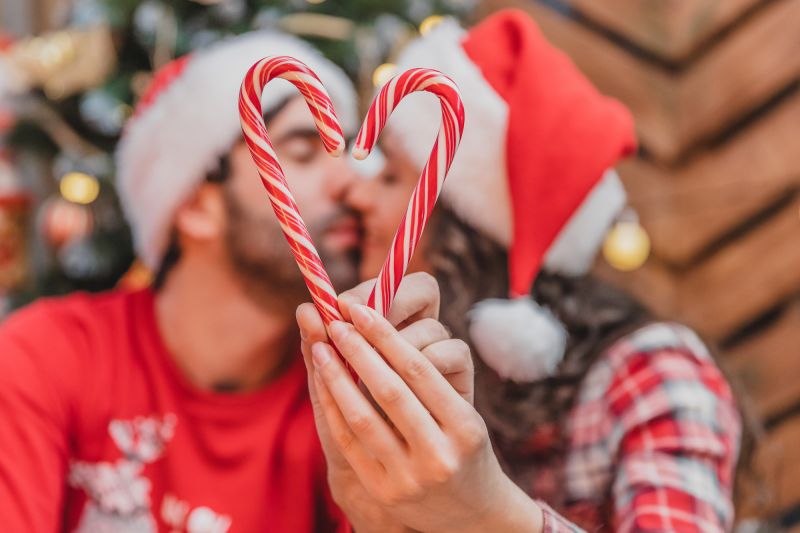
[338,329]
[361,314]
[320,354]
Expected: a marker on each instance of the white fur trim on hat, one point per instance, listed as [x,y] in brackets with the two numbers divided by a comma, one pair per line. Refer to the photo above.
[574,250]
[518,339]
[477,186]
[166,152]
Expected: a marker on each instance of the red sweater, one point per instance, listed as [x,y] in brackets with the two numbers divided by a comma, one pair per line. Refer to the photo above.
[100,432]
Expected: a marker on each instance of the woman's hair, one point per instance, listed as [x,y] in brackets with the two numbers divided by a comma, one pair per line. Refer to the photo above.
[471,267]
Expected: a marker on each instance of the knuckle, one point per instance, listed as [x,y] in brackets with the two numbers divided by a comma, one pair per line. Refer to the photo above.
[344,439]
[418,368]
[403,491]
[348,340]
[472,435]
[360,423]
[435,329]
[389,395]
[463,351]
[427,283]
[443,468]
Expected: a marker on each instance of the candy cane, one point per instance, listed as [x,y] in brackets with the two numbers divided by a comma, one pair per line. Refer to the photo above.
[255,134]
[433,175]
[422,200]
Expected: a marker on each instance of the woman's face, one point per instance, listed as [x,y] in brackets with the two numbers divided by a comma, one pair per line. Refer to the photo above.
[381,200]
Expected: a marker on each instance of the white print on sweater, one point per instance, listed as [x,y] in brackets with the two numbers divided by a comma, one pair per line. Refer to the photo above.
[119,495]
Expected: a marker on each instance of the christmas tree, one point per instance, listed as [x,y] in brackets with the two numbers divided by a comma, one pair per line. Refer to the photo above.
[65,96]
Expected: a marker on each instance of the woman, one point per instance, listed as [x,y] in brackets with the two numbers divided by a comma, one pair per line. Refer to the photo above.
[615,420]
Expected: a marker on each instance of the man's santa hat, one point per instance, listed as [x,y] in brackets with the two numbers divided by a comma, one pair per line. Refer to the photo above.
[534,171]
[188,119]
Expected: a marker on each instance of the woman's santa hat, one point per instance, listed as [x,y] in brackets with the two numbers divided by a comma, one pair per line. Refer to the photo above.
[188,119]
[532,172]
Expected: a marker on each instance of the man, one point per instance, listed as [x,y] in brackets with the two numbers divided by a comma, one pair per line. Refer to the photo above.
[184,407]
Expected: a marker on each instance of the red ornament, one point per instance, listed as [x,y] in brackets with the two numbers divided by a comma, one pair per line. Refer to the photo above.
[62,221]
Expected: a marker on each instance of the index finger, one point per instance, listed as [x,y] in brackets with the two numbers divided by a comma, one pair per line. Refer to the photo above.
[417,298]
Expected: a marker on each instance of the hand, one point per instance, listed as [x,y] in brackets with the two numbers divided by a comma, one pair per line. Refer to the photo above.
[429,464]
[413,312]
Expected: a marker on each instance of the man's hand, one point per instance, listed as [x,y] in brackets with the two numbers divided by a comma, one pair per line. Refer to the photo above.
[414,314]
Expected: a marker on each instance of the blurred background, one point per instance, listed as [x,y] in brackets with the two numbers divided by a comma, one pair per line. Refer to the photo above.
[713,85]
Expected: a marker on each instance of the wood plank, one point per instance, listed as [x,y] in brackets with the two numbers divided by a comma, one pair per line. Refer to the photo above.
[746,279]
[688,208]
[671,29]
[767,366]
[777,460]
[676,111]
[749,67]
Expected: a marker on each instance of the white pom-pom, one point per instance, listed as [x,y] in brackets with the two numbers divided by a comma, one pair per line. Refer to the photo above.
[518,339]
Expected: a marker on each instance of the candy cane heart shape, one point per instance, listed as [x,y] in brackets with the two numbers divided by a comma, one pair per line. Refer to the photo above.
[433,175]
[272,176]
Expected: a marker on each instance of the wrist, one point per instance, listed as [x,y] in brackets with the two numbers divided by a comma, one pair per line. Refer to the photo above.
[364,515]
[512,511]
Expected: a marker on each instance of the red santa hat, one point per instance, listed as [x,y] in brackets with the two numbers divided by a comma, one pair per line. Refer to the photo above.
[534,171]
[188,119]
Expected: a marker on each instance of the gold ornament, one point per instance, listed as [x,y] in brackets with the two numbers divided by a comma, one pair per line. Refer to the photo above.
[627,246]
[429,23]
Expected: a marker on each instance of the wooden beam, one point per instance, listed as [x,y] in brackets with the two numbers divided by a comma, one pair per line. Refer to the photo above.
[777,460]
[746,279]
[675,111]
[687,208]
[767,366]
[744,70]
[671,29]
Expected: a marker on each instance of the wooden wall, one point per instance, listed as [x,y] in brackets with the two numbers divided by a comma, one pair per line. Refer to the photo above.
[714,88]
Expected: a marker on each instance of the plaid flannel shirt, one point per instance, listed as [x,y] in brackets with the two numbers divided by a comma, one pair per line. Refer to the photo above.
[653,440]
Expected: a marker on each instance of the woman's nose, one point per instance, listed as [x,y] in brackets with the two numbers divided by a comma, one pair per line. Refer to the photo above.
[359,196]
[340,178]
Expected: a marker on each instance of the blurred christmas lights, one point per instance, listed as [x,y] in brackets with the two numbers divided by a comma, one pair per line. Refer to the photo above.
[79,188]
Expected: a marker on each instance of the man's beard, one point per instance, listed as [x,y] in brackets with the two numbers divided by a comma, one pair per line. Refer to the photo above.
[262,259]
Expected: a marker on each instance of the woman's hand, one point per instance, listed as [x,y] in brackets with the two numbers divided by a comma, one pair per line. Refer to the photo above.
[414,312]
[429,463]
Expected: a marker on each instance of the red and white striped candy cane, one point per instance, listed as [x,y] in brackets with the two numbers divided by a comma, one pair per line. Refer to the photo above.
[430,183]
[255,134]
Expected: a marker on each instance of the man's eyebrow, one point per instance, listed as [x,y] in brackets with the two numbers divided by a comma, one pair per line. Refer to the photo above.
[303,132]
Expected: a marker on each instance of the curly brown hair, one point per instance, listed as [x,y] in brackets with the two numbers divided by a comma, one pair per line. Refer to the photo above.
[471,267]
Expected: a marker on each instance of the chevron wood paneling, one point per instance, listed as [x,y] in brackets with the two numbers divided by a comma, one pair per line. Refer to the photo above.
[715,90]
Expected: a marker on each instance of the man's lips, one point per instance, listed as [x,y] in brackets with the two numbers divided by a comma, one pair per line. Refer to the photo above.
[346,232]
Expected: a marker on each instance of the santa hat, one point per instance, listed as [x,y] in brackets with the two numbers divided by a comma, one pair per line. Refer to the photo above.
[188,119]
[533,171]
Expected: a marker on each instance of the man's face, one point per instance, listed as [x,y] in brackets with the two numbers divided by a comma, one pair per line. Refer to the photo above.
[318,183]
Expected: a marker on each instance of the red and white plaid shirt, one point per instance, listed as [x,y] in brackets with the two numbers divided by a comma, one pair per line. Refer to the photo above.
[652,440]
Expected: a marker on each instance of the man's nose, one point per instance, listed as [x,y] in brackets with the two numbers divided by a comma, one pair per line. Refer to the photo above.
[341,177]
